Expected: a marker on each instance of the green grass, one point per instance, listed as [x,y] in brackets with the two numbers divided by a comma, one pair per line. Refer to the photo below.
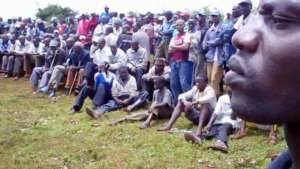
[37,133]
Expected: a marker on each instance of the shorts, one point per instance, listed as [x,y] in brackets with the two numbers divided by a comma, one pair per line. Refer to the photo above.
[194,115]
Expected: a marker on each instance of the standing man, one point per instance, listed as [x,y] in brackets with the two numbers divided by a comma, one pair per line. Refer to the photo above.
[181,68]
[213,44]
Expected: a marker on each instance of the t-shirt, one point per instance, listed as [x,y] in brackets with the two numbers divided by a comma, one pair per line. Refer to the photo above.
[180,40]
[162,96]
[224,111]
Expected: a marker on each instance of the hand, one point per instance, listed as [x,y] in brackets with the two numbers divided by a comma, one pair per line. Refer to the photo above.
[195,103]
[206,128]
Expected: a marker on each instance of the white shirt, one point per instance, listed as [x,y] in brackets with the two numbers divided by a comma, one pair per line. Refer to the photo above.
[117,60]
[206,96]
[119,88]
[137,59]
[224,112]
[22,49]
[101,55]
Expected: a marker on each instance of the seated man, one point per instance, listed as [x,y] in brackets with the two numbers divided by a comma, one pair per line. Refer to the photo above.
[198,104]
[220,125]
[158,70]
[40,75]
[78,60]
[5,46]
[117,57]
[31,56]
[124,94]
[15,62]
[101,93]
[137,62]
[161,106]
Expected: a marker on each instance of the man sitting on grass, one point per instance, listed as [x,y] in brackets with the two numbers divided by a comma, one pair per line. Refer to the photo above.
[220,125]
[124,94]
[161,106]
[198,104]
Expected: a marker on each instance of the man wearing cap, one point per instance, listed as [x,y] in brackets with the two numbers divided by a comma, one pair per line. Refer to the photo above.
[60,70]
[54,56]
[245,9]
[78,60]
[214,46]
[166,33]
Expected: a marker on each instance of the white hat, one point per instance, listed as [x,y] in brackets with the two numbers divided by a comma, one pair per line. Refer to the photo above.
[215,12]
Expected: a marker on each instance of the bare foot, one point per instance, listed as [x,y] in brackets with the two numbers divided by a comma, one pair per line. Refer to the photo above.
[192,137]
[164,129]
[239,135]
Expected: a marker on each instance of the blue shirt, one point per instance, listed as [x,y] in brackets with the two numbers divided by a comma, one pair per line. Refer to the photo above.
[106,80]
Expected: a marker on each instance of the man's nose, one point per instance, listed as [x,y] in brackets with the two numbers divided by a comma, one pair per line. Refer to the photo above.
[246,38]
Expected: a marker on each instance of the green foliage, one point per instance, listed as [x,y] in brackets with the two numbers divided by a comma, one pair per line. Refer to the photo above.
[55,11]
[38,133]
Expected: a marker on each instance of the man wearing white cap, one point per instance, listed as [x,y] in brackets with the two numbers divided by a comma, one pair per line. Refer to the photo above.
[214,54]
[55,56]
[117,56]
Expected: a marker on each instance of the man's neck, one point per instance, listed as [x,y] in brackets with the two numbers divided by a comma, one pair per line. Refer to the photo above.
[292,135]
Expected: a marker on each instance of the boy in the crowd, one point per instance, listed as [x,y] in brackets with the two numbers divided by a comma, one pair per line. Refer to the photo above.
[197,104]
[220,125]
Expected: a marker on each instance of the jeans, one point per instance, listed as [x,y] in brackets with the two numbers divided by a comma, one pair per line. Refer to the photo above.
[113,105]
[90,70]
[181,78]
[98,95]
[219,132]
[284,161]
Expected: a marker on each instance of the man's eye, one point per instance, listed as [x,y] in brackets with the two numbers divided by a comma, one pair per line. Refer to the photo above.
[279,20]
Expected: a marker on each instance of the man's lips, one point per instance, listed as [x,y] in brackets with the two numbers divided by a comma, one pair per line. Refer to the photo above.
[236,74]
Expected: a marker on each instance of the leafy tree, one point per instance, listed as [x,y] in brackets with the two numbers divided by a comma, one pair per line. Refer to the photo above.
[55,11]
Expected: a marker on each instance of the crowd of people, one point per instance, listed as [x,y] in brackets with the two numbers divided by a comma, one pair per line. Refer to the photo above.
[176,61]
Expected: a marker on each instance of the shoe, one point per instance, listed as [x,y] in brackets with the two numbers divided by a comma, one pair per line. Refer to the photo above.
[74,111]
[44,89]
[190,137]
[52,93]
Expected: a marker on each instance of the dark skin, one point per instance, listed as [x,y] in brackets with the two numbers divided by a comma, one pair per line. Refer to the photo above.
[159,84]
[186,106]
[245,9]
[124,76]
[262,76]
[181,47]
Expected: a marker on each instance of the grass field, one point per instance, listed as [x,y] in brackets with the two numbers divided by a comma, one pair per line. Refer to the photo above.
[37,133]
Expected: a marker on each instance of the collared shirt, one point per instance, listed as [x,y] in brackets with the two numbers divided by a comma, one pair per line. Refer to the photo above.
[33,49]
[121,88]
[206,96]
[224,111]
[162,96]
[167,30]
[101,55]
[165,74]
[137,58]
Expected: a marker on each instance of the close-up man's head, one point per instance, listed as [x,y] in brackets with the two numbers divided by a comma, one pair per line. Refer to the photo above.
[201,82]
[180,25]
[123,73]
[159,82]
[134,45]
[245,7]
[263,73]
[159,65]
